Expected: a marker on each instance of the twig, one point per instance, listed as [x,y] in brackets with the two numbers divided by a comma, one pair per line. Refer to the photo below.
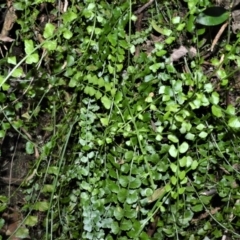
[219,34]
[65,6]
[11,181]
[141,9]
[205,215]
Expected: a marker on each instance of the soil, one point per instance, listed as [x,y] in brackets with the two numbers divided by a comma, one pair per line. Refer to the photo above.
[16,165]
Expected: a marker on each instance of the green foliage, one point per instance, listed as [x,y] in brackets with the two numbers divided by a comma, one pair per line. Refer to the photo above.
[133,142]
[213,16]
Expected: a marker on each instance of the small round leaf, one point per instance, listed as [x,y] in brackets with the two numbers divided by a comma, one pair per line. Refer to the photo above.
[183,147]
[173,151]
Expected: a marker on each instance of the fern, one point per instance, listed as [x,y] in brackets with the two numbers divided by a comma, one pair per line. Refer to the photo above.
[140,37]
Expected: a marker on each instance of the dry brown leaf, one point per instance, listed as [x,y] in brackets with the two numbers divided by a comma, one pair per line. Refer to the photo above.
[158,193]
[181,52]
[10,19]
[12,218]
[6,38]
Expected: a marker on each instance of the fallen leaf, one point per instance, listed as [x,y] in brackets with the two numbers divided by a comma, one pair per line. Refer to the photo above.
[158,193]
[6,38]
[181,52]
